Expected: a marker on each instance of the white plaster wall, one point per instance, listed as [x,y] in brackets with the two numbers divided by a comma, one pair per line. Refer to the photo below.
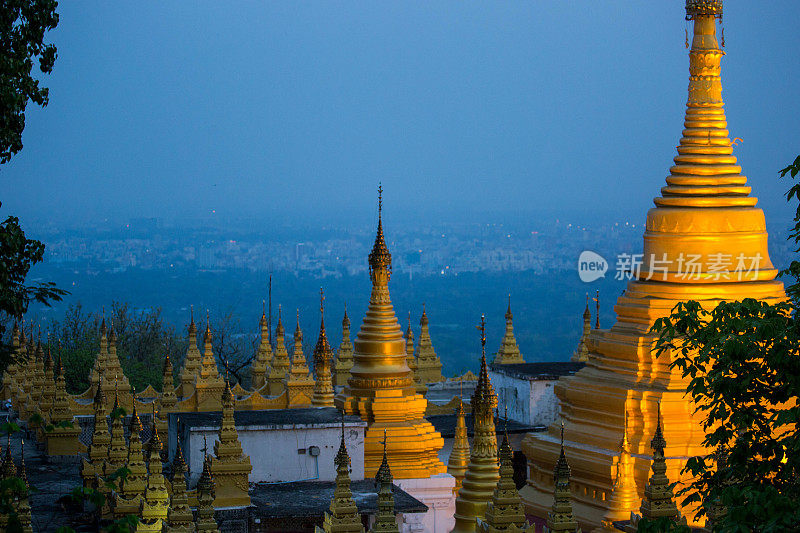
[437,493]
[273,451]
[544,405]
[531,402]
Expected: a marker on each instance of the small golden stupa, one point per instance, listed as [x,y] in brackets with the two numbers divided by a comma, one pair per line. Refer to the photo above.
[509,351]
[381,390]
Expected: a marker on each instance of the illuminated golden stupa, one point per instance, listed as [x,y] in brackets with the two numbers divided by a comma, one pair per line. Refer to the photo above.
[706,241]
[381,390]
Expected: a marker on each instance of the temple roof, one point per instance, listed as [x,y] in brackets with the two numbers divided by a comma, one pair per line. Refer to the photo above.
[272,418]
[539,371]
[446,425]
[312,499]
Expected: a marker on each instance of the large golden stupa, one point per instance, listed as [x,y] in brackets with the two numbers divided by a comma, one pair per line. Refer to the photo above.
[705,240]
[381,388]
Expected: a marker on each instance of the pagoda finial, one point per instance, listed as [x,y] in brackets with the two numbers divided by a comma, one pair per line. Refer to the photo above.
[597,311]
[698,8]
[658,499]
[323,359]
[380,260]
[385,521]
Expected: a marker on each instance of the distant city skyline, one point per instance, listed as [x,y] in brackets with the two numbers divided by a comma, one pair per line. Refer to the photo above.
[462,110]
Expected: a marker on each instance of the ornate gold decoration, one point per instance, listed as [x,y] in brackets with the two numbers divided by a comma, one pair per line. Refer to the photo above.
[385,521]
[258,369]
[323,358]
[560,517]
[482,473]
[624,496]
[459,455]
[179,517]
[230,466]
[704,215]
[381,390]
[155,504]
[342,516]
[509,351]
[344,355]
[279,366]
[504,513]
[582,351]
[191,363]
[62,440]
[299,383]
[205,521]
[429,367]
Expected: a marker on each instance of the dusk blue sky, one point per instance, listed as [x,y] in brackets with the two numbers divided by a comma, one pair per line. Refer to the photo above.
[295,110]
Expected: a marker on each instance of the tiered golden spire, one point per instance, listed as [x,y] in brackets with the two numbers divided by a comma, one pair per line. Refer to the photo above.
[429,367]
[299,383]
[482,473]
[39,380]
[230,466]
[411,359]
[381,390]
[205,521]
[342,516]
[133,486]
[385,521]
[344,356]
[560,517]
[155,504]
[179,517]
[62,440]
[191,363]
[323,358]
[623,497]
[504,513]
[167,399]
[706,241]
[94,467]
[23,500]
[459,455]
[658,500]
[118,450]
[582,351]
[209,373]
[279,366]
[509,351]
[49,390]
[12,369]
[258,369]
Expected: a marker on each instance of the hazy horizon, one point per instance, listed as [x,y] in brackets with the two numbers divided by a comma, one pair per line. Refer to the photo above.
[462,110]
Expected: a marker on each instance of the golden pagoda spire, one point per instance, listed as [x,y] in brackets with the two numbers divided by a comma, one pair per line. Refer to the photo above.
[191,363]
[39,380]
[459,455]
[411,359]
[385,521]
[179,517]
[560,516]
[62,440]
[279,366]
[705,240]
[323,358]
[204,521]
[208,365]
[624,496]
[483,471]
[11,373]
[342,516]
[23,501]
[118,450]
[381,390]
[505,511]
[299,383]
[49,390]
[658,501]
[509,351]
[134,484]
[94,467]
[429,367]
[114,367]
[258,369]
[8,468]
[230,466]
[582,351]
[167,399]
[155,504]
[344,355]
